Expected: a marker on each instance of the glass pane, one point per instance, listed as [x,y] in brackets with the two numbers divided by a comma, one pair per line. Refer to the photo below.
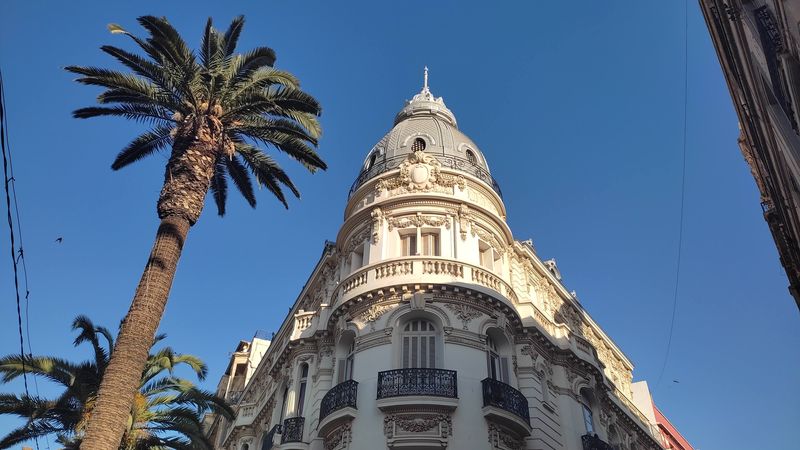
[432,351]
[423,351]
[301,399]
[406,352]
[587,419]
[414,352]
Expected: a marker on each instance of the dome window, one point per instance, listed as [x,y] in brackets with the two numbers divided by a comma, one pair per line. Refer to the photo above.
[371,161]
[418,145]
[471,157]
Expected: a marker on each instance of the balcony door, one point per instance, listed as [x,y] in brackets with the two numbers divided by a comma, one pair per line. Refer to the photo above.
[497,365]
[419,344]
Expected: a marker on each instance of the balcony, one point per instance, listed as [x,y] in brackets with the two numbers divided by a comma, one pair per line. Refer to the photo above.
[338,405]
[593,442]
[417,386]
[292,430]
[506,405]
[423,270]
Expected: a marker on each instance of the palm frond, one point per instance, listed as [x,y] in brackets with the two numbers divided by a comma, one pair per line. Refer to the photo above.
[240,177]
[267,172]
[88,333]
[56,369]
[219,185]
[143,146]
[292,146]
[232,35]
[166,39]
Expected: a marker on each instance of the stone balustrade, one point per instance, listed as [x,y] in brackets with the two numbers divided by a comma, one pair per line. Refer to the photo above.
[421,270]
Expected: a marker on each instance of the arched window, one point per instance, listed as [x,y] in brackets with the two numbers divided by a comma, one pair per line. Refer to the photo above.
[497,364]
[419,344]
[418,145]
[471,157]
[586,407]
[245,446]
[301,393]
[372,159]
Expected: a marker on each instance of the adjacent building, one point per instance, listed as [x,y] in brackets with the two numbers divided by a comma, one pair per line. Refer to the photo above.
[427,325]
[757,43]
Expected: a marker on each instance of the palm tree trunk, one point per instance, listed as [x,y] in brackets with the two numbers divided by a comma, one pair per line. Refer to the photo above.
[123,375]
[186,183]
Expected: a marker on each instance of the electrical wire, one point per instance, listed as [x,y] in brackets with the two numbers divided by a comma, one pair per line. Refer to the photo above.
[683,189]
[17,256]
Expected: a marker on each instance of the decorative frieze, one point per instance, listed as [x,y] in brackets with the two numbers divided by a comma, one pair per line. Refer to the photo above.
[418,220]
[463,312]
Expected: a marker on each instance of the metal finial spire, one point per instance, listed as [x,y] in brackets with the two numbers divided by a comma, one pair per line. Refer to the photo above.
[425,84]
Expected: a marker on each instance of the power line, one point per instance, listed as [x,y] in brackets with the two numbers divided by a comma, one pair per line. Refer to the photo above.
[683,187]
[17,256]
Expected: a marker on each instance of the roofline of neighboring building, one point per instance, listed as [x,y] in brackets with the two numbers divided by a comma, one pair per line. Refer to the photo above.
[664,422]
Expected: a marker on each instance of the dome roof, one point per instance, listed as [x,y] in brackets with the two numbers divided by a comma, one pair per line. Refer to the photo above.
[425,123]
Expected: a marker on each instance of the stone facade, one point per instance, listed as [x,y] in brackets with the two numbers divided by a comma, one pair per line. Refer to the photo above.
[427,325]
[758,44]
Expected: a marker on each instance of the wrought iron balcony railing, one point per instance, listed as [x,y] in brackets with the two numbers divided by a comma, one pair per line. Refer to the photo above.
[498,394]
[448,162]
[340,396]
[593,442]
[417,381]
[293,430]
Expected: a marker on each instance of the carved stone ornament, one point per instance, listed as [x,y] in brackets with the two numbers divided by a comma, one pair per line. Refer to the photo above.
[339,439]
[500,438]
[377,222]
[464,217]
[420,172]
[417,423]
[464,312]
[488,238]
[373,313]
[418,220]
[357,240]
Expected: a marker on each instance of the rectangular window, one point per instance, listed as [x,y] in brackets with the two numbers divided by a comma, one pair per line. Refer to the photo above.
[587,419]
[357,258]
[430,244]
[408,244]
[486,257]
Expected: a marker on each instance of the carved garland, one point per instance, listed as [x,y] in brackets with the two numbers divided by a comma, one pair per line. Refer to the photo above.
[418,220]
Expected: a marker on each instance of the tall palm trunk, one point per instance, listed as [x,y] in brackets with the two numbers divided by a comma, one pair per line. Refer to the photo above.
[186,183]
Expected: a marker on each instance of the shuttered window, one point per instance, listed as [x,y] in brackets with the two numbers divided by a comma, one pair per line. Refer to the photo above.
[409,244]
[419,344]
[430,244]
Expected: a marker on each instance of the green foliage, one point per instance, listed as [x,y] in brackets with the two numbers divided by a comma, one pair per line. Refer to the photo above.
[171,87]
[167,412]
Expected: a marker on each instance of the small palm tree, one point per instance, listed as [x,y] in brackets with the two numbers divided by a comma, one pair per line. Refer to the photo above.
[212,113]
[167,413]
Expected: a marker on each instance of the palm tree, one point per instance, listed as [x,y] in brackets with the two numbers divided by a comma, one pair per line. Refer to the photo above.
[213,112]
[167,413]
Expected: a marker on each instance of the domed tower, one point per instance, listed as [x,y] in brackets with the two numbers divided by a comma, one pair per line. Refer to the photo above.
[426,325]
[427,190]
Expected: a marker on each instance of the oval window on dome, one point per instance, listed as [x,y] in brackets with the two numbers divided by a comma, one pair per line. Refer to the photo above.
[371,161]
[418,145]
[471,157]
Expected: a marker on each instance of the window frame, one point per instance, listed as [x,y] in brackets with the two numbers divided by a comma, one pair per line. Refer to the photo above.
[418,347]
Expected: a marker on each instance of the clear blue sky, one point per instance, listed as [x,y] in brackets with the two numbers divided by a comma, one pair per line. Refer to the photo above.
[578,108]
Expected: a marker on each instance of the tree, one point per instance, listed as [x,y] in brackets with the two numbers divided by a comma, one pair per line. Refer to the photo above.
[167,413]
[213,113]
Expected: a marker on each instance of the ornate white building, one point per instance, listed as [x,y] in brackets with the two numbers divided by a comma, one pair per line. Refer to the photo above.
[427,325]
